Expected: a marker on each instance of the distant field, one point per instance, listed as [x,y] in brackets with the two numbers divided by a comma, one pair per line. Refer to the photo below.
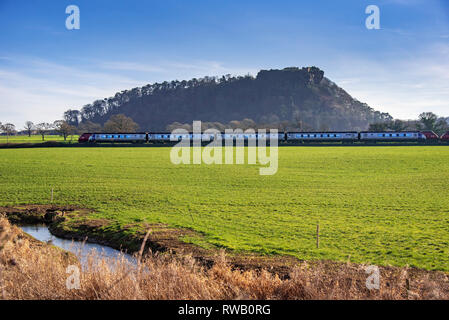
[382,205]
[36,139]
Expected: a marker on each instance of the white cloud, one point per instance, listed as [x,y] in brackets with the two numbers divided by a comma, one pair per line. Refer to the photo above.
[403,86]
[42,91]
[39,90]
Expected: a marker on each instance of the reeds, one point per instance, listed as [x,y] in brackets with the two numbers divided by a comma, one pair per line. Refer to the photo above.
[33,270]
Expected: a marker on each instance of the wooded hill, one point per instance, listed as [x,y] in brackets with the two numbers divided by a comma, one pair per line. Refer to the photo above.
[296,98]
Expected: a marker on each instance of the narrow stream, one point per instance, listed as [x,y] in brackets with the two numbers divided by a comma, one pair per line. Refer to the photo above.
[80,249]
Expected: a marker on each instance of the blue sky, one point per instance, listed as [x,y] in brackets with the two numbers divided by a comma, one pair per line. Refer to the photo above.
[45,69]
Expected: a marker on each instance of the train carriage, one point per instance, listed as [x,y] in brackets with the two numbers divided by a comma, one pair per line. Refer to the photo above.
[431,137]
[85,137]
[307,137]
[158,137]
[280,136]
[292,137]
[117,137]
[388,136]
[245,136]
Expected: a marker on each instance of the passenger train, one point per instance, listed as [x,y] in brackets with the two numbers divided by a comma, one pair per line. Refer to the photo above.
[343,137]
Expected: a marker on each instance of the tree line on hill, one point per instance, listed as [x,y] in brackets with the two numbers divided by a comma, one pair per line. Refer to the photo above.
[302,98]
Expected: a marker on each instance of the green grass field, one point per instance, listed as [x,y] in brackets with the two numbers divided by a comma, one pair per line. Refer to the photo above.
[382,205]
[36,139]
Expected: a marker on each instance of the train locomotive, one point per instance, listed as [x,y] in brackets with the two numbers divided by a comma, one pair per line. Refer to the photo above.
[343,137]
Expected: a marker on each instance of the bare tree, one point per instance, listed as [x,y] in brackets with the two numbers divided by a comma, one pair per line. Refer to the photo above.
[429,120]
[89,126]
[235,124]
[63,128]
[43,128]
[283,126]
[378,126]
[29,127]
[121,124]
[397,125]
[9,129]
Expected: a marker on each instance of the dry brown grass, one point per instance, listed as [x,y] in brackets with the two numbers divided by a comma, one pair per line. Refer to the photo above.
[32,270]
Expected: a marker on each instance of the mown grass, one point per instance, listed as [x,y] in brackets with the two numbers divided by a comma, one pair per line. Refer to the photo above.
[381,205]
[36,139]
